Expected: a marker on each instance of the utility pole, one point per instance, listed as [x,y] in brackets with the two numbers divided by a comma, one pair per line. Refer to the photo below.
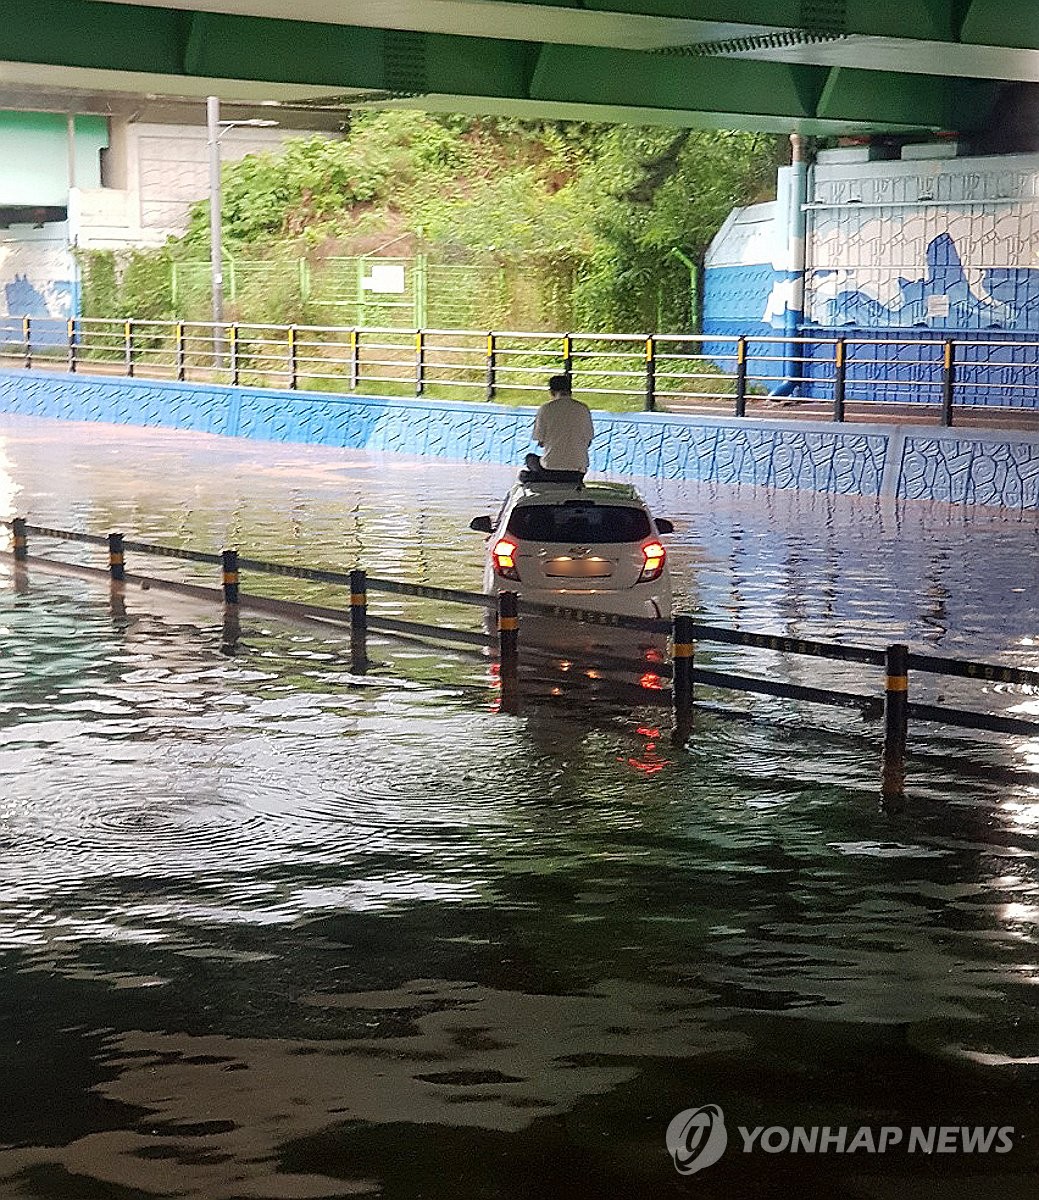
[215,238]
[217,129]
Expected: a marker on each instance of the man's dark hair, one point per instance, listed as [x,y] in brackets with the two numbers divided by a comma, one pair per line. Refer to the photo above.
[560,383]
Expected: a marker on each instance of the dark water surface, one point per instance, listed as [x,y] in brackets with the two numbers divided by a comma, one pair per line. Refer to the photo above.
[270,929]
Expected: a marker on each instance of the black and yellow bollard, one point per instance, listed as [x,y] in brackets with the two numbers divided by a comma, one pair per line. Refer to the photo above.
[232,628]
[508,651]
[230,565]
[358,620]
[896,725]
[116,565]
[117,602]
[682,651]
[20,543]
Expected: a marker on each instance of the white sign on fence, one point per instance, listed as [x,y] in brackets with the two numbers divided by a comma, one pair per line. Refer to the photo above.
[385,277]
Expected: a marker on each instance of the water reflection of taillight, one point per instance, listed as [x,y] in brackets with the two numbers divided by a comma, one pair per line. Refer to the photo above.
[503,557]
[651,760]
[655,556]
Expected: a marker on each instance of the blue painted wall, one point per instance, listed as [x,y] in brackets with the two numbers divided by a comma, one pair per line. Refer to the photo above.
[38,278]
[740,271]
[735,297]
[866,460]
[919,250]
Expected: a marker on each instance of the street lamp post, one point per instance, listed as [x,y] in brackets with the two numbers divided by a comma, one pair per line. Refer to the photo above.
[215,233]
[216,129]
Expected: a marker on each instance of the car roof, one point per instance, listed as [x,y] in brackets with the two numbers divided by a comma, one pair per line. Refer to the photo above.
[569,493]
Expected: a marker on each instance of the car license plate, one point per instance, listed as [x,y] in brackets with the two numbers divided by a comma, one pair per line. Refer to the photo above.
[578,568]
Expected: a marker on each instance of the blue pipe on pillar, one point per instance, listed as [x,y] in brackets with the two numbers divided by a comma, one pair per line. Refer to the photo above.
[786,306]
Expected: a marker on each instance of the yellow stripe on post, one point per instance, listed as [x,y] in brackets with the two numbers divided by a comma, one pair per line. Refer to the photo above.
[507,624]
[898,683]
[683,650]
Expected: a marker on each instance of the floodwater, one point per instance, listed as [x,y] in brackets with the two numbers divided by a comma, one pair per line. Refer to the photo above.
[273,929]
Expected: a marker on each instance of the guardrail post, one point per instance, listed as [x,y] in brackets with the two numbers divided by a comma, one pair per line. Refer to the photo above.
[70,330]
[229,560]
[651,374]
[116,564]
[21,542]
[117,603]
[840,378]
[492,382]
[682,651]
[420,362]
[27,339]
[293,360]
[181,356]
[355,359]
[128,347]
[896,724]
[741,377]
[948,380]
[568,357]
[233,338]
[358,620]
[508,650]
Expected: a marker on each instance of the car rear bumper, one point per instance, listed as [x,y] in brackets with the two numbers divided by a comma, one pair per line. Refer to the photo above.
[644,600]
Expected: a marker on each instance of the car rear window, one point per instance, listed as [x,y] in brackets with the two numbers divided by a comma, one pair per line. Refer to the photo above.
[578,524]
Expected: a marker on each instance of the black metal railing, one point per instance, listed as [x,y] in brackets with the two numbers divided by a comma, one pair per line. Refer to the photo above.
[939,380]
[683,631]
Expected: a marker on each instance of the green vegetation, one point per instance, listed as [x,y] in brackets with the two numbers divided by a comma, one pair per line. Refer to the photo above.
[539,226]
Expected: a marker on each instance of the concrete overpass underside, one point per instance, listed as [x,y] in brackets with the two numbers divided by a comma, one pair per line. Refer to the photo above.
[822,67]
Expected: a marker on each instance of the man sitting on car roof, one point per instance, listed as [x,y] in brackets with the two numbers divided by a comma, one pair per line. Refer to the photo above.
[563,430]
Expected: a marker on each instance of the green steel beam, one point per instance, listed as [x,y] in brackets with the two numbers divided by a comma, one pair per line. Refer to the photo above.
[653,24]
[194,51]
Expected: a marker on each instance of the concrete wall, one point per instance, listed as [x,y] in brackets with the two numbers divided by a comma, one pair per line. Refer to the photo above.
[34,157]
[864,460]
[740,271]
[912,249]
[153,174]
[38,278]
[944,245]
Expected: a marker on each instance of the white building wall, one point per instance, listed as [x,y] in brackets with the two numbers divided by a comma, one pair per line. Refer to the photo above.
[162,171]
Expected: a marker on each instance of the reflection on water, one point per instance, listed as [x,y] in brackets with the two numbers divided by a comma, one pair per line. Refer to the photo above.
[271,928]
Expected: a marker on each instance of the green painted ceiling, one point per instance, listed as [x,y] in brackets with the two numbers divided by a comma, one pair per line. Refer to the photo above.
[817,66]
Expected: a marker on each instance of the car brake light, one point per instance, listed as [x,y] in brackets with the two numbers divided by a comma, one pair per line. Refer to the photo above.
[503,558]
[655,556]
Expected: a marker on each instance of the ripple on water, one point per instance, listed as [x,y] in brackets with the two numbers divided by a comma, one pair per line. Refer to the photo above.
[330,904]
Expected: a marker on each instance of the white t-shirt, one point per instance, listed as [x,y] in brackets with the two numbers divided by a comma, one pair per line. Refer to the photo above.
[564,428]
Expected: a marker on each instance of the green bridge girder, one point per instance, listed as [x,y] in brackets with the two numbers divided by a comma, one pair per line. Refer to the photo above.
[823,67]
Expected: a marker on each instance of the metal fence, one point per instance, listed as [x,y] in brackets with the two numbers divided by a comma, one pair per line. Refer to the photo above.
[684,631]
[837,378]
[345,290]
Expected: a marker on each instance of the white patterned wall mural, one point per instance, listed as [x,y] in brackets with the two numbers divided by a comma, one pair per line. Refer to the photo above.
[949,244]
[37,273]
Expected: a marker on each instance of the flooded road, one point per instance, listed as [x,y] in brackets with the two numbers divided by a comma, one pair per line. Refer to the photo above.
[270,929]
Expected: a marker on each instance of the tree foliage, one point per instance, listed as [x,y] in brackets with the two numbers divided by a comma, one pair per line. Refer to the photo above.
[605,205]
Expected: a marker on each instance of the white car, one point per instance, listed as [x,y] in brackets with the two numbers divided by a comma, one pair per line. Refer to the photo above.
[589,545]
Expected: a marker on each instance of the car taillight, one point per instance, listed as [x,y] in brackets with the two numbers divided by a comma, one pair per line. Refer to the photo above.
[653,567]
[503,556]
